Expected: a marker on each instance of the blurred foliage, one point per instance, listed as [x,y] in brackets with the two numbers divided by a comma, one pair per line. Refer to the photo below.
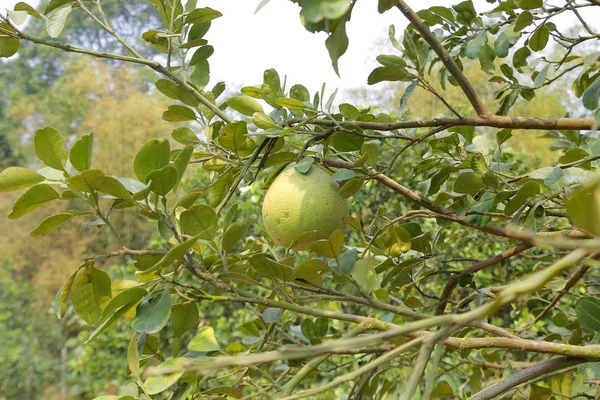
[30,338]
[164,306]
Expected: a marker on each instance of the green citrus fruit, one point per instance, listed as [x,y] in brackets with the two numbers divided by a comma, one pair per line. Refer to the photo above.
[301,206]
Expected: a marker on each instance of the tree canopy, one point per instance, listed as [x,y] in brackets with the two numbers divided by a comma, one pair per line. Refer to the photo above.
[465,271]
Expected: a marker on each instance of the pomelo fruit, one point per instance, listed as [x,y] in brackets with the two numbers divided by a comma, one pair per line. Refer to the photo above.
[303,204]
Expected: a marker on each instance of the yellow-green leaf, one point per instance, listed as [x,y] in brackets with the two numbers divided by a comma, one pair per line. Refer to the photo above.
[13,178]
[50,224]
[34,198]
[49,147]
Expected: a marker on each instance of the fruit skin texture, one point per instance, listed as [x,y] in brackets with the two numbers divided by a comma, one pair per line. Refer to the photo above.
[298,203]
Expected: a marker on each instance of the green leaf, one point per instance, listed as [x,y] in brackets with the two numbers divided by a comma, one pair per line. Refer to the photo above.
[529,4]
[49,147]
[90,292]
[588,312]
[252,91]
[263,121]
[541,76]
[583,207]
[63,296]
[523,21]
[520,57]
[406,95]
[364,274]
[235,137]
[197,31]
[115,188]
[182,161]
[299,92]
[184,317]
[201,74]
[17,17]
[539,39]
[204,341]
[553,177]
[9,47]
[133,357]
[185,136]
[384,5]
[317,10]
[304,165]
[347,260]
[152,313]
[50,224]
[202,54]
[478,164]
[21,6]
[155,154]
[128,296]
[108,322]
[591,95]
[290,103]
[33,198]
[218,190]
[331,247]
[56,20]
[87,181]
[486,58]
[163,180]
[190,44]
[381,74]
[527,191]
[465,12]
[270,268]
[343,141]
[474,46]
[309,270]
[176,92]
[202,15]
[81,153]
[198,220]
[337,43]
[272,315]
[468,183]
[177,113]
[271,87]
[351,187]
[13,178]
[159,383]
[176,254]
[234,234]
[372,151]
[397,241]
[245,105]
[503,135]
[343,175]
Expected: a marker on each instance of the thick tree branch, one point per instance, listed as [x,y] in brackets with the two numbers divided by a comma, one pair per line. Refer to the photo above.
[442,212]
[492,121]
[526,375]
[448,61]
[450,215]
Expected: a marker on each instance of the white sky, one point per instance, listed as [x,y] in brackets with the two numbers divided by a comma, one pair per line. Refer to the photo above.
[247,44]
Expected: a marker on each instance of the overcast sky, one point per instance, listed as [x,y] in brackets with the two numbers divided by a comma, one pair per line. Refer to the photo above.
[247,44]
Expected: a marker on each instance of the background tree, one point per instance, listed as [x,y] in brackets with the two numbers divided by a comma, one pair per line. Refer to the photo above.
[455,277]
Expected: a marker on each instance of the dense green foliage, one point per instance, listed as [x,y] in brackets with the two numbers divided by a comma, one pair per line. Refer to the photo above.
[468,269]
[27,357]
